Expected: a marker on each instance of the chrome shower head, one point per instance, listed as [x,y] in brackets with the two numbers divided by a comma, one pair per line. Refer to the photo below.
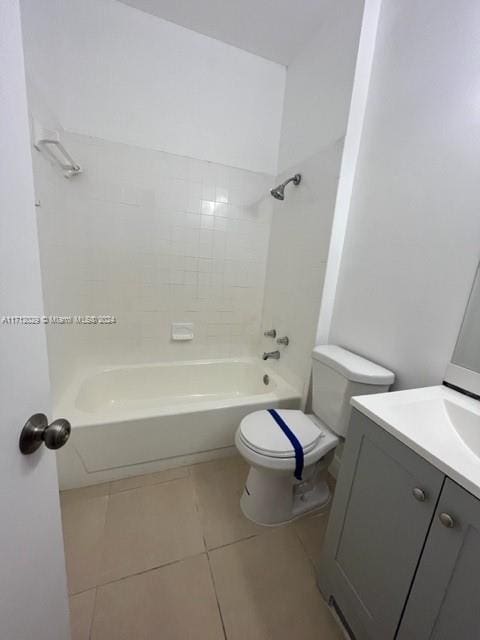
[279,192]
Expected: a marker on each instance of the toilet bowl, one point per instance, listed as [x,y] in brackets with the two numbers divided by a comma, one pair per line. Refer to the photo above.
[289,463]
[272,494]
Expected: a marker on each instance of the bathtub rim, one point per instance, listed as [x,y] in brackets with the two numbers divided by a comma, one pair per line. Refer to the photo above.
[66,407]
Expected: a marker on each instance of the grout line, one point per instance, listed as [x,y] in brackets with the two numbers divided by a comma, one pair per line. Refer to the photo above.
[304,548]
[94,611]
[206,550]
[79,593]
[102,539]
[139,573]
[212,576]
[229,544]
[145,486]
[66,492]
[198,509]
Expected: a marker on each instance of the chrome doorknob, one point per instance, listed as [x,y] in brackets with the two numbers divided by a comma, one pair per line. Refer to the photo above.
[37,430]
[419,494]
[447,520]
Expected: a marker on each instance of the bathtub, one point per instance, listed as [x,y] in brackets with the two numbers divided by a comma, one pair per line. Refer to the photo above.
[130,420]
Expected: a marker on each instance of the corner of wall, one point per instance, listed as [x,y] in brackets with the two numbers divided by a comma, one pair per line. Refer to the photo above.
[358,104]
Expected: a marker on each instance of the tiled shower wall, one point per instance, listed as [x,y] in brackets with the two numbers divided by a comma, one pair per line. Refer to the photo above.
[297,260]
[315,117]
[151,238]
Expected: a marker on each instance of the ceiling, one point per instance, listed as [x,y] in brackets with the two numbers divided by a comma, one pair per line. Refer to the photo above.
[274,29]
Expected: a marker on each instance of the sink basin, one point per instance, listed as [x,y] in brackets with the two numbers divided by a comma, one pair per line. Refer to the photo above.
[466,423]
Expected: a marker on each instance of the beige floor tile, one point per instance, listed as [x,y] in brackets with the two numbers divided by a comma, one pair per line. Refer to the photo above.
[93,491]
[311,531]
[148,479]
[267,591]
[219,464]
[83,527]
[81,614]
[219,488]
[176,602]
[150,526]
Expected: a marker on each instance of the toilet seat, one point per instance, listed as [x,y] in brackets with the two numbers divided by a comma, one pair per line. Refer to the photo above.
[260,433]
[325,442]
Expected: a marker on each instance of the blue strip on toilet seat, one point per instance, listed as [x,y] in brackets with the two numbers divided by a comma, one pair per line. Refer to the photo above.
[293,439]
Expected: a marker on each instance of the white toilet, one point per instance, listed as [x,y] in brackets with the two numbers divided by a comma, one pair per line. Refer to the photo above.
[272,494]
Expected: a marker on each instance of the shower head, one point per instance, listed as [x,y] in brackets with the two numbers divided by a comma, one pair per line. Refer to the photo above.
[279,192]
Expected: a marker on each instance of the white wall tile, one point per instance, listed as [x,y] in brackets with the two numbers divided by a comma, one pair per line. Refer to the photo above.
[122,239]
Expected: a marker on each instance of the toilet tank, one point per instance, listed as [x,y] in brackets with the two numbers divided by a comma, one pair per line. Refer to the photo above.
[338,375]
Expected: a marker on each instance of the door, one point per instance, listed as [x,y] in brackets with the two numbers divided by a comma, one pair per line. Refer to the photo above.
[33,593]
[383,506]
[445,598]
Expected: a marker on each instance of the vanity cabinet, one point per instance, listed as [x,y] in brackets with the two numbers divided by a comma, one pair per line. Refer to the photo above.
[445,599]
[401,558]
[384,502]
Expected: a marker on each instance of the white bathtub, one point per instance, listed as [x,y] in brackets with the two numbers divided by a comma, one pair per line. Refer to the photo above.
[138,419]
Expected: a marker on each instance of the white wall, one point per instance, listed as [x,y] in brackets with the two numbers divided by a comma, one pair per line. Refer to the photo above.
[117,73]
[413,237]
[318,91]
[351,147]
[319,85]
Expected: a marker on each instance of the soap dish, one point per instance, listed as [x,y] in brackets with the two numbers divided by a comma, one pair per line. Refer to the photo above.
[182,331]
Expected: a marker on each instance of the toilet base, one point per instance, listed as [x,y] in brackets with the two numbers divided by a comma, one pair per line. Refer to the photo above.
[273,499]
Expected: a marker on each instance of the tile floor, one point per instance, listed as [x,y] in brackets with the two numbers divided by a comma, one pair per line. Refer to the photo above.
[169,555]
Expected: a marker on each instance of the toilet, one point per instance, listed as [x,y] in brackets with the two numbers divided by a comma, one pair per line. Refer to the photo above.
[289,451]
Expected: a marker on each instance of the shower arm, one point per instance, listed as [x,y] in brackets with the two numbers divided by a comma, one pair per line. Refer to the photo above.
[279,191]
[295,179]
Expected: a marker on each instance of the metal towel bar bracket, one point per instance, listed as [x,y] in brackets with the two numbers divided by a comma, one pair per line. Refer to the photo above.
[46,140]
[70,168]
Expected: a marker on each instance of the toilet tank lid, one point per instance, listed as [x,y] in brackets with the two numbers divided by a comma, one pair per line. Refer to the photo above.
[352,366]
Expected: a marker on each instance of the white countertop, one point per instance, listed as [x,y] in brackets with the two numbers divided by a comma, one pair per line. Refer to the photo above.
[428,421]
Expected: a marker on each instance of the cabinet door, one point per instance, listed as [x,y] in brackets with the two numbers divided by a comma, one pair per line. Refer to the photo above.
[377,529]
[444,603]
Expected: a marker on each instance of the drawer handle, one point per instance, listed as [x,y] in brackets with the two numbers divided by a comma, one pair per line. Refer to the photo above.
[419,494]
[447,520]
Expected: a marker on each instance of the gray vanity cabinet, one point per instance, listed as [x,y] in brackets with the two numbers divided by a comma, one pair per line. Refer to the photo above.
[444,603]
[384,503]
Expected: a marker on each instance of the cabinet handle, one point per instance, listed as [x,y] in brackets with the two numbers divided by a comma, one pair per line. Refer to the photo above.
[419,494]
[447,520]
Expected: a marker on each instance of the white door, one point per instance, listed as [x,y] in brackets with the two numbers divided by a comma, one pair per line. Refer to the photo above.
[33,592]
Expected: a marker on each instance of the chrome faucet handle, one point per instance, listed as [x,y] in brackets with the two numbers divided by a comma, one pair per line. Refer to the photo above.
[270,333]
[283,340]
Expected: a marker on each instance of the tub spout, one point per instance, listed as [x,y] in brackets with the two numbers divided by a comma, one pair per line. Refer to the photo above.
[275,355]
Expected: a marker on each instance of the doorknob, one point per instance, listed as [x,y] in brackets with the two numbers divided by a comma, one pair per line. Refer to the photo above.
[37,430]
